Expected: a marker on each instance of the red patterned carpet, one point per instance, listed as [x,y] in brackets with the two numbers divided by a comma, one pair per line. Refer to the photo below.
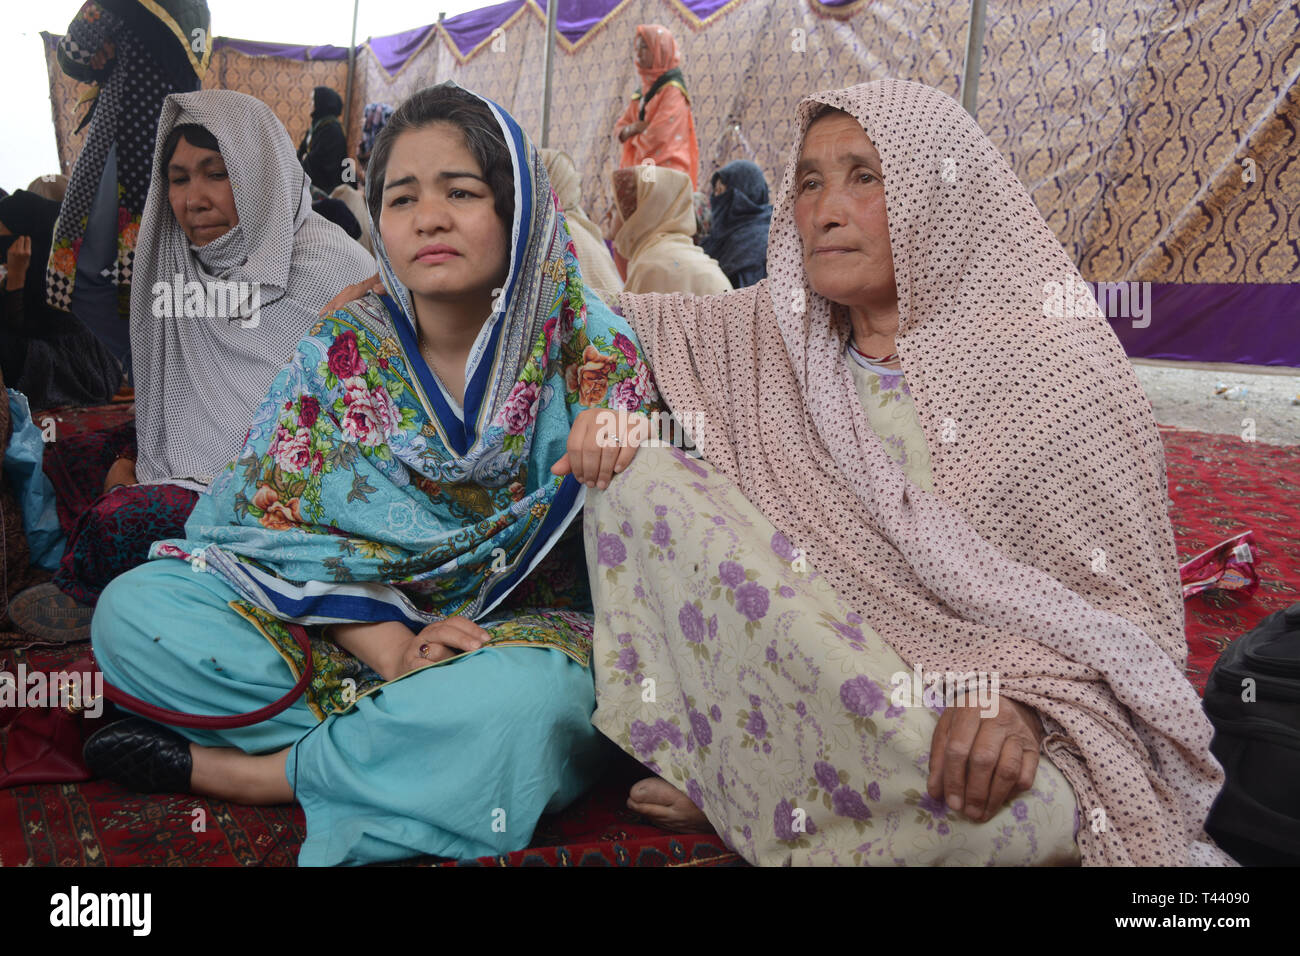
[1220,486]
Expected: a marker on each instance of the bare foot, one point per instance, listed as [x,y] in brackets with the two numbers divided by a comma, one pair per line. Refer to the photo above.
[667,807]
[230,774]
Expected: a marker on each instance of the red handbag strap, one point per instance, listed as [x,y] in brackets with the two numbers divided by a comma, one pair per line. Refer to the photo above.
[178,718]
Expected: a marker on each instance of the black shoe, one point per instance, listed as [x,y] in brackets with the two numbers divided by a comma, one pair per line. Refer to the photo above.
[49,615]
[140,755]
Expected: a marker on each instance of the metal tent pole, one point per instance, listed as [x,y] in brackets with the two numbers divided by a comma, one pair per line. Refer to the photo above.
[970,74]
[352,59]
[552,7]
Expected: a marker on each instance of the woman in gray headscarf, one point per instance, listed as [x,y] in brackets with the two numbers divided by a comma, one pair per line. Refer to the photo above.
[232,268]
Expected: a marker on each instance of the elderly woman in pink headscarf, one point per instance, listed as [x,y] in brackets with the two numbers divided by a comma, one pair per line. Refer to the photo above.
[919,602]
[657,125]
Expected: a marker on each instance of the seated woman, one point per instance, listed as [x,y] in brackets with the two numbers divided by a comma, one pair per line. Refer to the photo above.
[48,355]
[738,222]
[232,267]
[652,234]
[902,578]
[593,256]
[422,455]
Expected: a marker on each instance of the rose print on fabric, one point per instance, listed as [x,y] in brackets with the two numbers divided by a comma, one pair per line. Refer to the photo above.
[645,738]
[660,535]
[740,589]
[344,358]
[521,407]
[588,381]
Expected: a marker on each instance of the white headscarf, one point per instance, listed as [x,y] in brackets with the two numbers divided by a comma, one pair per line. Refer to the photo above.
[1044,554]
[656,239]
[199,378]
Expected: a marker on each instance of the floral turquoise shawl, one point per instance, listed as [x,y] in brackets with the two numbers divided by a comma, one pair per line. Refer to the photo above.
[360,495]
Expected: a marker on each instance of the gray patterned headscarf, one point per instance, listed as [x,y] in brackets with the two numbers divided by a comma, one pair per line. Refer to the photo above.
[203,364]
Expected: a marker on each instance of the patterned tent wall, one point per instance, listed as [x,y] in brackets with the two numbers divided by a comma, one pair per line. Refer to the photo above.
[748,64]
[1159,140]
[284,85]
[1130,122]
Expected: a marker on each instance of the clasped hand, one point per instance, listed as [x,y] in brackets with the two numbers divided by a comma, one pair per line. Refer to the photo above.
[978,763]
[435,642]
[635,128]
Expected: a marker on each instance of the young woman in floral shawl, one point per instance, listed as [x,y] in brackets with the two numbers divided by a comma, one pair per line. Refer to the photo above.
[422,455]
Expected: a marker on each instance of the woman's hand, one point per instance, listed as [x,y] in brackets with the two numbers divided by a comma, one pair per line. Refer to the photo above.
[16,261]
[978,763]
[602,443]
[632,129]
[122,473]
[436,642]
[353,292]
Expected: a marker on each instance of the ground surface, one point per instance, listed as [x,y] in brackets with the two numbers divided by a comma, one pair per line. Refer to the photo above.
[1186,399]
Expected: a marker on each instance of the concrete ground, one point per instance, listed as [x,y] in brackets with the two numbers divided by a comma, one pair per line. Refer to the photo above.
[1185,398]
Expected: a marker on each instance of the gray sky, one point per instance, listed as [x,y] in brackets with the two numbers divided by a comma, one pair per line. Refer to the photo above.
[27,138]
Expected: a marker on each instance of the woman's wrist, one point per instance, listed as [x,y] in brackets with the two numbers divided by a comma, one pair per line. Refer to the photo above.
[378,645]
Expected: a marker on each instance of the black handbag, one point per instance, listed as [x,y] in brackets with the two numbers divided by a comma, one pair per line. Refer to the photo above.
[1253,700]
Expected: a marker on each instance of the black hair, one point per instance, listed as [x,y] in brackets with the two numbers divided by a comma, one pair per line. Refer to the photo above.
[194,134]
[448,103]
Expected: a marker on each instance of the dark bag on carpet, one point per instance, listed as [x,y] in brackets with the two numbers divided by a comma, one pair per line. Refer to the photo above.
[43,744]
[1253,700]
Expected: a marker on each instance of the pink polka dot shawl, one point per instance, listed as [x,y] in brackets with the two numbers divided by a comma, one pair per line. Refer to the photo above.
[1045,553]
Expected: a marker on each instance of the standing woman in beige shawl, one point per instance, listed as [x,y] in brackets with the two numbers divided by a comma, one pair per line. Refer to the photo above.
[910,470]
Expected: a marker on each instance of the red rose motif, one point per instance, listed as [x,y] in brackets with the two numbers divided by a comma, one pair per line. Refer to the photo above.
[308,411]
[344,357]
[292,452]
[624,345]
[520,408]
